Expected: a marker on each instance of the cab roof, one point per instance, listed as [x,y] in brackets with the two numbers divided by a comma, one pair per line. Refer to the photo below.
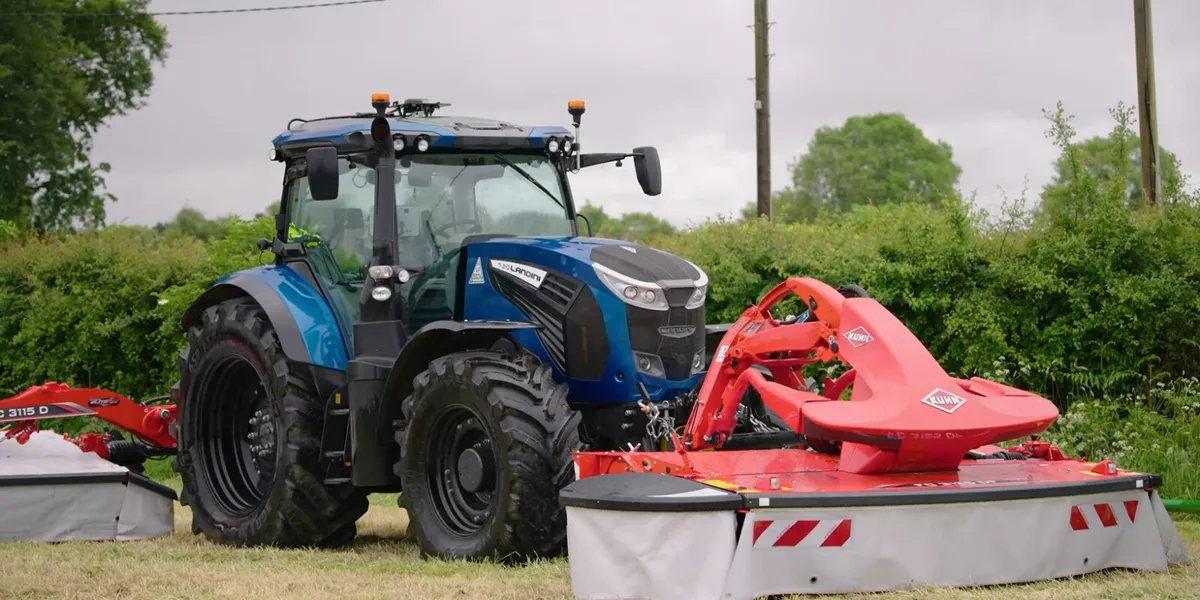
[354,133]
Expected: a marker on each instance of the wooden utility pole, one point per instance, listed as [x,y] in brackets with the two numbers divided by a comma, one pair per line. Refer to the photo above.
[1147,114]
[762,107]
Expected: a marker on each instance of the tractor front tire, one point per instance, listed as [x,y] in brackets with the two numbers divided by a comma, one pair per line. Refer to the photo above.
[485,447]
[248,437]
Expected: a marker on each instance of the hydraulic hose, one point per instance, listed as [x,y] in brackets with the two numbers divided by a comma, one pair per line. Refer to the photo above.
[1184,506]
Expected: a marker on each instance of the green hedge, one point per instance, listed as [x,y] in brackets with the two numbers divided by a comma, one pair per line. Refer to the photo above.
[1109,304]
[103,308]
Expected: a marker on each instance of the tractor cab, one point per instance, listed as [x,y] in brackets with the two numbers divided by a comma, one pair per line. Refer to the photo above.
[452,181]
[444,200]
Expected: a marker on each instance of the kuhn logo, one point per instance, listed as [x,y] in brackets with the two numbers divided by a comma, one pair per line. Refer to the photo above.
[677,331]
[944,401]
[858,337]
[531,275]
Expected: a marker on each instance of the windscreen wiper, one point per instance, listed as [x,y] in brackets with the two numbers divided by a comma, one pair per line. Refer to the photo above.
[527,176]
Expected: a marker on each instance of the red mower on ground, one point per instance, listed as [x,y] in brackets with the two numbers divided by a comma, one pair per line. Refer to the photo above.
[888,477]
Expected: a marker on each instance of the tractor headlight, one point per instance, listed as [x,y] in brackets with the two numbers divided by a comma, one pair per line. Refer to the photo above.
[698,362]
[398,143]
[552,145]
[696,300]
[379,272]
[381,293]
[649,364]
[422,143]
[642,294]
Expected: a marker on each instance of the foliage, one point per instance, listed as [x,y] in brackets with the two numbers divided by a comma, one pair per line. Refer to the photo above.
[1117,158]
[192,223]
[1129,432]
[103,308]
[8,231]
[60,79]
[84,309]
[635,226]
[875,159]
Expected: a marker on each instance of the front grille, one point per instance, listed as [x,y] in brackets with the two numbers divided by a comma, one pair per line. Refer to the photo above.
[679,296]
[546,306]
[676,353]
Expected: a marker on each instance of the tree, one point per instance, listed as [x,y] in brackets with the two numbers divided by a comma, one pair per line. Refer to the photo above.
[873,159]
[192,223]
[61,77]
[629,226]
[1115,157]
[595,215]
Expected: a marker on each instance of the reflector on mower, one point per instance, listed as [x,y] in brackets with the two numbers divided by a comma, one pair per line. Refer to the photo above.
[898,486]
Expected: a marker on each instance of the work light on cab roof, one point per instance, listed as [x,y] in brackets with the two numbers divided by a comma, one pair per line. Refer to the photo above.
[414,126]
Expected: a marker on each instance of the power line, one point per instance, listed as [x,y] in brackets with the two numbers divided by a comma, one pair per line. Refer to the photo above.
[178,13]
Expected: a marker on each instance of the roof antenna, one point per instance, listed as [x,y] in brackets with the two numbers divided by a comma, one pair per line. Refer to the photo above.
[414,106]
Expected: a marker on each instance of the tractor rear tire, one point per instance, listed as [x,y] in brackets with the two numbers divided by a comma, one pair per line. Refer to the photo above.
[485,447]
[248,437]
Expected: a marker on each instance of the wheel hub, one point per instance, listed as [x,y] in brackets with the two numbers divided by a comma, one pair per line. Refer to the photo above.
[462,471]
[476,468]
[237,439]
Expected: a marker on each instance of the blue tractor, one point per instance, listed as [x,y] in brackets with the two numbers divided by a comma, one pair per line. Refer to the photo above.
[433,324]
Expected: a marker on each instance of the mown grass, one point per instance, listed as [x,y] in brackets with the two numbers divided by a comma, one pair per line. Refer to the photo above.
[382,564]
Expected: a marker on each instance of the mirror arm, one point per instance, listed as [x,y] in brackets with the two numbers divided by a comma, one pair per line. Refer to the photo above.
[591,160]
[586,220]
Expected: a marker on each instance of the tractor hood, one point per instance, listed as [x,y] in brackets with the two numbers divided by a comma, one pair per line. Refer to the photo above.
[629,259]
[647,264]
[606,310]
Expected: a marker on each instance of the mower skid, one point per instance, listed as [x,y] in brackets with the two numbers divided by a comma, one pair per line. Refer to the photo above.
[626,530]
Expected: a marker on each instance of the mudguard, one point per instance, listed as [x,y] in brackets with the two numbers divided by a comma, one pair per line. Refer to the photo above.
[378,386]
[438,339]
[307,327]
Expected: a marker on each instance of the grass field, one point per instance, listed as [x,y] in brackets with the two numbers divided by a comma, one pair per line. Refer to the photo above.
[382,564]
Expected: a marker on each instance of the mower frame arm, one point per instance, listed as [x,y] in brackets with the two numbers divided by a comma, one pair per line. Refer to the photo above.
[59,401]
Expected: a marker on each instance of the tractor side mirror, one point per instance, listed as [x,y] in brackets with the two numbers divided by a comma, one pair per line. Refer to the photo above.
[648,169]
[322,173]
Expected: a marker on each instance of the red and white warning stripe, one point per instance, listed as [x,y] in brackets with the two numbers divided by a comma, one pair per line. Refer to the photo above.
[1103,515]
[824,533]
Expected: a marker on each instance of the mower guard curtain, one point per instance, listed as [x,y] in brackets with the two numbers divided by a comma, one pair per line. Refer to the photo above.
[664,555]
[52,491]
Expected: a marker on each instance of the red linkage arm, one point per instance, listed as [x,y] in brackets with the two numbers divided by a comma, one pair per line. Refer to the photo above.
[57,401]
[905,413]
[755,339]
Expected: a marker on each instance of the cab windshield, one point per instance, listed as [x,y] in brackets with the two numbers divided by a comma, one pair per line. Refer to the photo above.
[441,200]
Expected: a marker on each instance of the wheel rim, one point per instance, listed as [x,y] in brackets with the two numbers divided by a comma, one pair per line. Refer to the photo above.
[236,435]
[462,471]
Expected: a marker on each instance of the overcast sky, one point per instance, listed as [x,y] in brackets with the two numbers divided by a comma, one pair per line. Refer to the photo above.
[670,73]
